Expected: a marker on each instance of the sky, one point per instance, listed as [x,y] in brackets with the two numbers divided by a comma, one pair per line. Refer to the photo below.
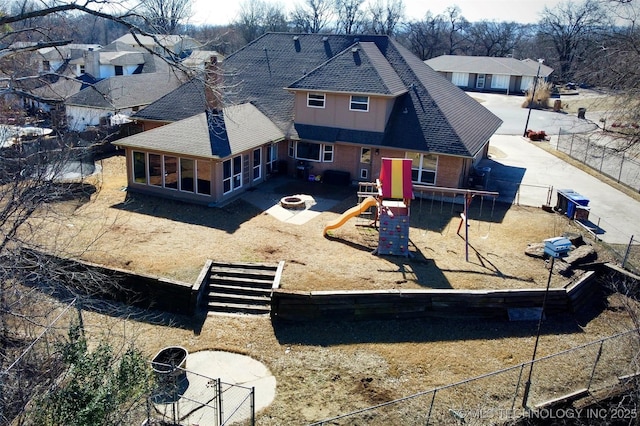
[221,12]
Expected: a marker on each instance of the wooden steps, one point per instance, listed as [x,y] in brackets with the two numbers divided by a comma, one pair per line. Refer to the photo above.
[242,288]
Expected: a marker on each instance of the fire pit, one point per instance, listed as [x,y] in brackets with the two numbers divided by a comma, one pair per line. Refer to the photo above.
[293,203]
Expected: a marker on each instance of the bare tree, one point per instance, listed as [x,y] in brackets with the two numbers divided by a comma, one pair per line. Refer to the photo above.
[35,191]
[490,38]
[349,16]
[426,38]
[257,17]
[385,16]
[165,16]
[312,16]
[457,27]
[569,31]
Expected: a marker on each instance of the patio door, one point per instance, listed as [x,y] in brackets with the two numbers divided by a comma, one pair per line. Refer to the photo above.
[480,81]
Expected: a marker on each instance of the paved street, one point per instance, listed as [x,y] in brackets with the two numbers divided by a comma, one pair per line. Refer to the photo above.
[517,160]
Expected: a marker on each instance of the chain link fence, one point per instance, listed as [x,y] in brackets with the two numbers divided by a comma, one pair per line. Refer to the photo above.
[183,397]
[35,361]
[602,153]
[502,396]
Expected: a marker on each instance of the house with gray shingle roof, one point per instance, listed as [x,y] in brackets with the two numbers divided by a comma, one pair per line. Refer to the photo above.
[116,95]
[489,74]
[307,104]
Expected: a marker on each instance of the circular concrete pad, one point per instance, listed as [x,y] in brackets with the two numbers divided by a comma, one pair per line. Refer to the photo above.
[238,374]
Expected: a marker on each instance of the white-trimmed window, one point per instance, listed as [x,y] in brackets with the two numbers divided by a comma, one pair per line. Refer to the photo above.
[139,167]
[315,100]
[359,103]
[312,151]
[424,168]
[232,174]
[365,155]
[257,163]
[272,157]
[292,149]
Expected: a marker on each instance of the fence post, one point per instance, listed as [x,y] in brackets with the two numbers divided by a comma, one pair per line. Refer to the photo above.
[593,370]
[586,151]
[433,398]
[621,166]
[253,405]
[626,254]
[219,392]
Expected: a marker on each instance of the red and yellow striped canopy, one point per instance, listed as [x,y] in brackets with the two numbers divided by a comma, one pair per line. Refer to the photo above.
[395,178]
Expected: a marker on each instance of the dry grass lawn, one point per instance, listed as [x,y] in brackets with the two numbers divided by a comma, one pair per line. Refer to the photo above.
[324,369]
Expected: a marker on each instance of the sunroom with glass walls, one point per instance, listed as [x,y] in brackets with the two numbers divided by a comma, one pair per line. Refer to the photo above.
[173,173]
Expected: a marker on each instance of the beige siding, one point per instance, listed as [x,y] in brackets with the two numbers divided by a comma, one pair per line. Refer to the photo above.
[336,112]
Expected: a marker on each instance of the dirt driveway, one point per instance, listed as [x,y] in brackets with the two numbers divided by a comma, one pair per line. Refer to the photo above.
[328,368]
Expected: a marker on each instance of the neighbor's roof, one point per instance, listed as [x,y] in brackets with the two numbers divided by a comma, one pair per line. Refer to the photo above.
[125,91]
[207,135]
[487,65]
[430,114]
[166,40]
[184,102]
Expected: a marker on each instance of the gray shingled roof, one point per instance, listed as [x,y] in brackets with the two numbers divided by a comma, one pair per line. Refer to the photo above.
[125,91]
[429,115]
[487,65]
[206,135]
[183,102]
[359,69]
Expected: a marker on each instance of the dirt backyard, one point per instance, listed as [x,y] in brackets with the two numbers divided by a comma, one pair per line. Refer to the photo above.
[325,369]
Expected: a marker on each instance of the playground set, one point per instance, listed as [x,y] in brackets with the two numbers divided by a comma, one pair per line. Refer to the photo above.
[391,201]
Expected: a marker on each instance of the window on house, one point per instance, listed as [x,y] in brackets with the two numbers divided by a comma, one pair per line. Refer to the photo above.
[231,174]
[292,149]
[423,168]
[315,100]
[327,156]
[359,103]
[237,172]
[119,70]
[155,169]
[365,155]
[81,69]
[203,169]
[187,168]
[314,151]
[139,167]
[272,157]
[170,172]
[257,163]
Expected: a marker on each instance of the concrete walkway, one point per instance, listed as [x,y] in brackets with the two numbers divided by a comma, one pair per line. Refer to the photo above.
[516,159]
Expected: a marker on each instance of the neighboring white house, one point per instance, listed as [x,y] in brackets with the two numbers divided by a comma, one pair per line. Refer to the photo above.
[160,43]
[53,59]
[489,74]
[199,59]
[119,95]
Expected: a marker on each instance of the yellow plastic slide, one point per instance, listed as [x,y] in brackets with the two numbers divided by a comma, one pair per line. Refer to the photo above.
[352,212]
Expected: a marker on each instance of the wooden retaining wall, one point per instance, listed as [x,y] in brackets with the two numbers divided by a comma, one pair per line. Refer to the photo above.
[395,304]
[142,290]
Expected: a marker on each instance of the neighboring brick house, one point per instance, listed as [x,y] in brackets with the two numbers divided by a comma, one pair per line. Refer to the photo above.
[488,73]
[311,103]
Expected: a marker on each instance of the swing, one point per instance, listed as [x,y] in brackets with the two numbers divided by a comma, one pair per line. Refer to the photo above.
[493,205]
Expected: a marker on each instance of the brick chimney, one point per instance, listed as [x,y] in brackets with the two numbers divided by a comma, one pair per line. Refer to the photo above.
[213,85]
